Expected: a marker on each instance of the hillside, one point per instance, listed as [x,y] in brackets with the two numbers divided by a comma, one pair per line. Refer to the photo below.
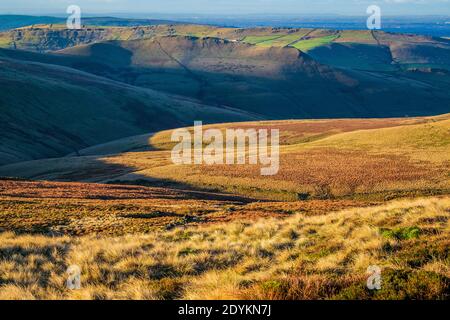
[275,82]
[8,22]
[50,111]
[327,159]
[370,50]
[187,249]
[277,73]
[211,232]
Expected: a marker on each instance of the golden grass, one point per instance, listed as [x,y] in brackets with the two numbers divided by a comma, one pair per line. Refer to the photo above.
[428,142]
[301,257]
[325,159]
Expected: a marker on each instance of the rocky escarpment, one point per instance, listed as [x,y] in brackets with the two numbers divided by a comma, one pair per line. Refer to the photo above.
[44,39]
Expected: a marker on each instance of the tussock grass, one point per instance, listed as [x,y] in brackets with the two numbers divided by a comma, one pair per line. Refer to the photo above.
[300,257]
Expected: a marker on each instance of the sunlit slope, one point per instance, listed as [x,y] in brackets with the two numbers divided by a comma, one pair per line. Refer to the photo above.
[422,140]
[365,159]
[405,51]
[305,256]
[49,111]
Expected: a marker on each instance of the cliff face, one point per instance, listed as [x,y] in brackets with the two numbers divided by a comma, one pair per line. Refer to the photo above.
[44,39]
[377,51]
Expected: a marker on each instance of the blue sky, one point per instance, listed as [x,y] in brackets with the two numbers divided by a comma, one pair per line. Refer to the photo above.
[348,7]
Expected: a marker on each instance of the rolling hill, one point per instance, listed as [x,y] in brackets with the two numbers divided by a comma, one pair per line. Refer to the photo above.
[407,51]
[403,49]
[258,78]
[8,22]
[87,180]
[275,82]
[327,159]
[204,73]
[49,110]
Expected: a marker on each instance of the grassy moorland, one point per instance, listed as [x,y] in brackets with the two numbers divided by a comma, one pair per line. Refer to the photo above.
[303,256]
[350,193]
[81,208]
[215,232]
[327,159]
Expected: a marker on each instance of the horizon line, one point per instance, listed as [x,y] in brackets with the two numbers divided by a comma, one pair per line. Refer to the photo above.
[225,15]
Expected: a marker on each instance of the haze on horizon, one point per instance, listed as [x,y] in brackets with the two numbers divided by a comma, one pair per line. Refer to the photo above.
[227,7]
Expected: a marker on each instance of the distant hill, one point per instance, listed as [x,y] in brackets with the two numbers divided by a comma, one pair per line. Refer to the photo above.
[17,21]
[212,74]
[360,49]
[275,82]
[8,22]
[278,82]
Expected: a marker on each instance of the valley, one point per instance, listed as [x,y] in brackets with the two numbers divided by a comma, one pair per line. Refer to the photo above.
[87,177]
[208,73]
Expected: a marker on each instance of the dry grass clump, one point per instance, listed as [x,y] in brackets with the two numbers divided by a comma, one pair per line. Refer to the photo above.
[300,257]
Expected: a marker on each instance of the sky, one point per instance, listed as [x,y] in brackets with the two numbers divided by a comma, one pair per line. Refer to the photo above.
[227,7]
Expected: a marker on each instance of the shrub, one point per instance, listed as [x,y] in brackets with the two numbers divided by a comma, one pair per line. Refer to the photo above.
[401,233]
[416,285]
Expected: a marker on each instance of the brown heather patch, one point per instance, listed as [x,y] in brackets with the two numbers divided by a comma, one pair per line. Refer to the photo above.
[257,210]
[329,172]
[298,131]
[321,159]
[87,208]
[46,189]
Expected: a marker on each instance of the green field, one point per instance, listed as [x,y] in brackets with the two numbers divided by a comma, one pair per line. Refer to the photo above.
[5,40]
[358,36]
[306,45]
[282,41]
[260,39]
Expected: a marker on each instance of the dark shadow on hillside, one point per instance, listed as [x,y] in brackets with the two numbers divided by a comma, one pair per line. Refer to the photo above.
[96,170]
[304,89]
[188,190]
